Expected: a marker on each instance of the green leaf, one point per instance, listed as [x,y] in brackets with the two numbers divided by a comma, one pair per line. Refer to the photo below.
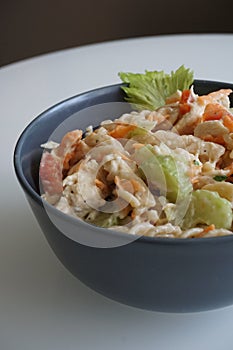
[105,220]
[150,90]
[195,162]
[220,178]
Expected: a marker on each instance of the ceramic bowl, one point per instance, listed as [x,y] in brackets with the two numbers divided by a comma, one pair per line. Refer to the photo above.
[162,274]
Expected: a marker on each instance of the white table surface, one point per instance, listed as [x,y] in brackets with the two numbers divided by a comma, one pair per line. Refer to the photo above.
[42,306]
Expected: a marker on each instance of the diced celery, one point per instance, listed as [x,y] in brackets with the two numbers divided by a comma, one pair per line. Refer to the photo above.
[164,173]
[207,207]
[104,220]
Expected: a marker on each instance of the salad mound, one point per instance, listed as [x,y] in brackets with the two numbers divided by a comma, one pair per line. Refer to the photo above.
[164,170]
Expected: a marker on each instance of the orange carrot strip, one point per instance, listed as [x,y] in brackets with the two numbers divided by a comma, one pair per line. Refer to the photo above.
[228,122]
[121,131]
[136,185]
[124,157]
[124,184]
[184,108]
[100,184]
[213,111]
[209,228]
[185,100]
[205,230]
[217,139]
[133,215]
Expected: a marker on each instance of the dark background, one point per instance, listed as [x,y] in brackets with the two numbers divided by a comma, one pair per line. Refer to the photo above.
[29,27]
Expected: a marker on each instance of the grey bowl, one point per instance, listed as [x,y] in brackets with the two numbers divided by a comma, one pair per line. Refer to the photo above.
[170,275]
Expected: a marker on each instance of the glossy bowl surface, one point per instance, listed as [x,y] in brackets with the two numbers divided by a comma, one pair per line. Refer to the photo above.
[170,275]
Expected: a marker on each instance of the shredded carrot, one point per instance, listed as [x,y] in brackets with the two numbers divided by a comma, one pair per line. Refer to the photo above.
[117,180]
[185,100]
[228,122]
[133,215]
[66,161]
[131,186]
[100,184]
[136,185]
[209,228]
[185,97]
[124,184]
[124,157]
[121,130]
[127,186]
[213,111]
[74,168]
[217,139]
[184,108]
[205,230]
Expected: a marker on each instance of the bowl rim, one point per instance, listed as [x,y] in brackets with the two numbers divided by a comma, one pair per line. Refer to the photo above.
[37,198]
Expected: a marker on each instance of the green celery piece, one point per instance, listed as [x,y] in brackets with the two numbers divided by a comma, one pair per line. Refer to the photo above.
[142,135]
[105,220]
[150,90]
[164,172]
[220,178]
[207,207]
[138,131]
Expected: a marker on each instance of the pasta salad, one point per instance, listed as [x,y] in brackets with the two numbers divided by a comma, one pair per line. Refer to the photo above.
[163,170]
